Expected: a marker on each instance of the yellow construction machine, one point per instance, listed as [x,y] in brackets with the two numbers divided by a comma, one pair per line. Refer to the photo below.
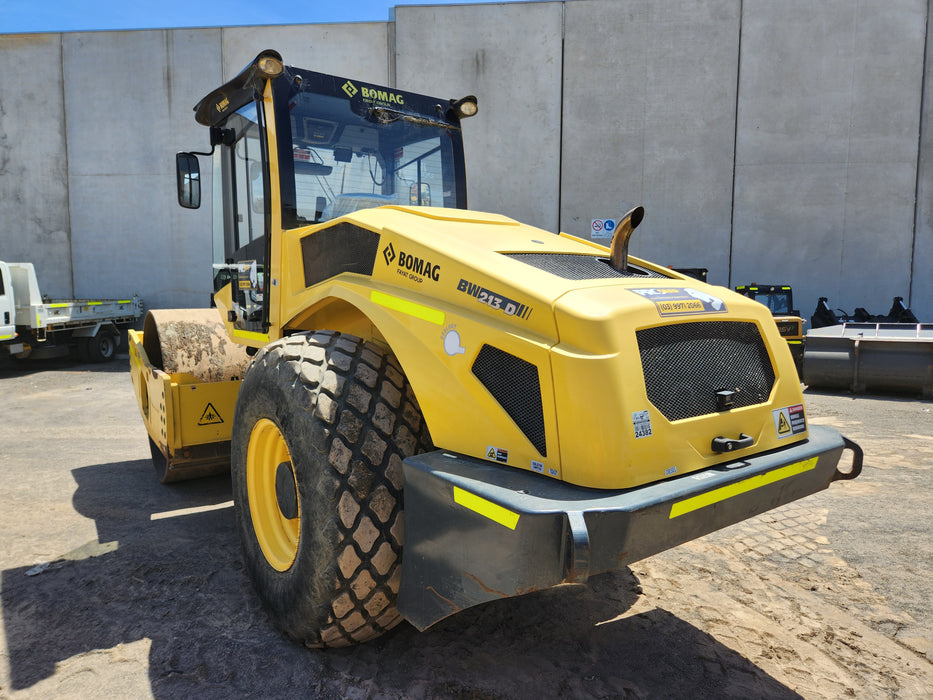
[779,298]
[548,408]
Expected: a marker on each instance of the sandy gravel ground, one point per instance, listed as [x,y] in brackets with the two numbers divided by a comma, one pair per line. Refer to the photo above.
[113,585]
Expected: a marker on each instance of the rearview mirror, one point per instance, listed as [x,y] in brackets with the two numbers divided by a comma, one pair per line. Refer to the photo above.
[188,179]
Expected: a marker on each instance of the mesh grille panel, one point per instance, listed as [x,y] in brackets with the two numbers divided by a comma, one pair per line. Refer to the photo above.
[579,267]
[513,382]
[685,364]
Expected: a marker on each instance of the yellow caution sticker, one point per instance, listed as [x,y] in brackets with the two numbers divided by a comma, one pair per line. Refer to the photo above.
[250,335]
[721,494]
[425,313]
[487,509]
[210,416]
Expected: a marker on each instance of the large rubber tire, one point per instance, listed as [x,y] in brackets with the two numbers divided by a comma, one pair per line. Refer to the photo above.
[322,539]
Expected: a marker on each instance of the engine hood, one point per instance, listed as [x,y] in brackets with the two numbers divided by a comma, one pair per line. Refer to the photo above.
[518,270]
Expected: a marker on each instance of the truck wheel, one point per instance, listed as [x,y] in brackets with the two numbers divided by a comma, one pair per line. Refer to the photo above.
[102,347]
[322,424]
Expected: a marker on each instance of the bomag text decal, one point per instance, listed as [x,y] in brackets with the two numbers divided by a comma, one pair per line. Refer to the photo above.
[411,266]
[383,97]
[508,306]
[375,96]
[416,268]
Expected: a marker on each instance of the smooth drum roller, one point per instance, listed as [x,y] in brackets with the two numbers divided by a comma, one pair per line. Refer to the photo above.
[193,342]
[192,347]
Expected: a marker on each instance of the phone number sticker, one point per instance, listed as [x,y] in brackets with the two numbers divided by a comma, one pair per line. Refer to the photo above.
[676,301]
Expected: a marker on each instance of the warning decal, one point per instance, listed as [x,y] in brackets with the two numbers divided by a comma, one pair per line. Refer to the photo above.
[602,228]
[497,454]
[789,421]
[210,416]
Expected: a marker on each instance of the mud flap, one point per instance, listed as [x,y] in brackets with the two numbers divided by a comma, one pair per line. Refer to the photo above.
[476,531]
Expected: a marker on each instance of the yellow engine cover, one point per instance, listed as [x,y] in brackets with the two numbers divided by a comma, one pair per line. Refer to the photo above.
[527,349]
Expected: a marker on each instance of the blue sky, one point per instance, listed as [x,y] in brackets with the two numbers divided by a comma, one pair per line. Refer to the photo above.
[17,16]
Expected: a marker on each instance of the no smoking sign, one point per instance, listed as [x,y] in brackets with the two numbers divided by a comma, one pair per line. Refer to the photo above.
[602,228]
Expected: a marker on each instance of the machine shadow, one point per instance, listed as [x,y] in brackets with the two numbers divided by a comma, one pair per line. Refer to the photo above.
[13,367]
[140,574]
[162,573]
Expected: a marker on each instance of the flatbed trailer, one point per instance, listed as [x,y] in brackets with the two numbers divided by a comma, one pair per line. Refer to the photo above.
[32,325]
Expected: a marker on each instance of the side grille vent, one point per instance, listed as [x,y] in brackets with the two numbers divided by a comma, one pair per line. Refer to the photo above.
[685,364]
[514,383]
[343,247]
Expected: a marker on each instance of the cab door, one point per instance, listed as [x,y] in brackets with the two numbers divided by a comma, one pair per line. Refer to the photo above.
[245,216]
[7,305]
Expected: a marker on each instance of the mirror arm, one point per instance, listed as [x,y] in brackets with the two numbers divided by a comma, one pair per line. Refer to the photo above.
[219,135]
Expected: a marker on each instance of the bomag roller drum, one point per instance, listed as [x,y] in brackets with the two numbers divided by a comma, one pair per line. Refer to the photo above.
[193,342]
[187,373]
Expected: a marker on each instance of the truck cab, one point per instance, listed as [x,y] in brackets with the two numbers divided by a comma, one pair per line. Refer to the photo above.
[7,305]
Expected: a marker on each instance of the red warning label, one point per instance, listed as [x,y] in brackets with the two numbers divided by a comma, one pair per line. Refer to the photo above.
[789,421]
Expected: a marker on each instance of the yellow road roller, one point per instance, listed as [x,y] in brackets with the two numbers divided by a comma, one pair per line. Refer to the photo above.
[538,407]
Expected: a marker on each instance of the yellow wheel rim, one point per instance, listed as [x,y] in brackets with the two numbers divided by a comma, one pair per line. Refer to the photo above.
[276,534]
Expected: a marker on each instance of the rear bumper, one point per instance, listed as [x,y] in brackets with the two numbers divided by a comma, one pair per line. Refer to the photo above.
[475,531]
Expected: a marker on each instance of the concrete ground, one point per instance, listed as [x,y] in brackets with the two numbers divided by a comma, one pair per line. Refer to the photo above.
[114,585]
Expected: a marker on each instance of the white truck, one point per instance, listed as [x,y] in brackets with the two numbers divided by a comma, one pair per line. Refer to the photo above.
[33,326]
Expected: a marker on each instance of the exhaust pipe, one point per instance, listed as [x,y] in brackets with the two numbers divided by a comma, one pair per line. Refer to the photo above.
[618,252]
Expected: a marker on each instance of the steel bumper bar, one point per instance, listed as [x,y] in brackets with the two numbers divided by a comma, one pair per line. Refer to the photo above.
[476,531]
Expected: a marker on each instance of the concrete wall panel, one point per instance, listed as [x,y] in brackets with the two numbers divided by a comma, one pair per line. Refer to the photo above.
[129,234]
[790,213]
[921,294]
[356,50]
[509,56]
[828,122]
[777,141]
[649,118]
[34,225]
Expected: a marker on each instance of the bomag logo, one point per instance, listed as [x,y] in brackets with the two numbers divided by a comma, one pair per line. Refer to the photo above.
[419,266]
[416,269]
[350,89]
[222,105]
[383,96]
[411,266]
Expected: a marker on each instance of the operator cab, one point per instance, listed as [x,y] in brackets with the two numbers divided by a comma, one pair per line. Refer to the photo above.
[779,298]
[339,145]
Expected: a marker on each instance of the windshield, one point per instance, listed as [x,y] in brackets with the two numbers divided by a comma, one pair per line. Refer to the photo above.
[776,302]
[350,149]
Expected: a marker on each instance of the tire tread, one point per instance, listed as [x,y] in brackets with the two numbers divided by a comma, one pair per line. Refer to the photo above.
[366,421]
